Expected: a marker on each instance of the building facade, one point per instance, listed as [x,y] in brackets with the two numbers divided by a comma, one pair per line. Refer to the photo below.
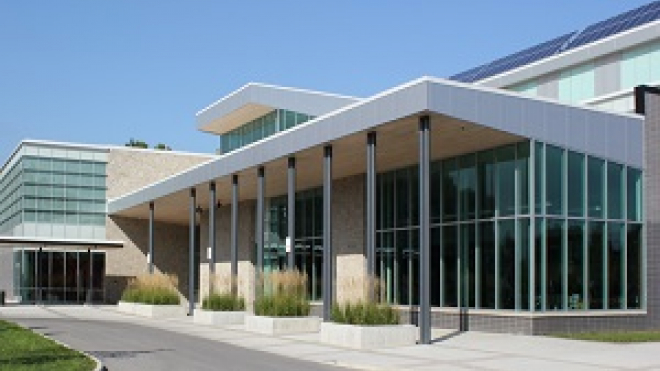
[517,196]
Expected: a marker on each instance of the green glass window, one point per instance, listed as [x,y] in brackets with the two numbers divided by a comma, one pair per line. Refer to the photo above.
[576,177]
[289,119]
[402,198]
[486,185]
[575,266]
[596,276]
[634,190]
[596,182]
[614,191]
[487,248]
[554,181]
[450,266]
[615,266]
[507,259]
[539,176]
[468,187]
[634,263]
[436,250]
[523,262]
[450,181]
[436,192]
[468,256]
[522,165]
[554,263]
[506,178]
[402,238]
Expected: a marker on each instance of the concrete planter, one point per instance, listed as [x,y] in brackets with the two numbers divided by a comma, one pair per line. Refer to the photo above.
[282,325]
[218,318]
[368,337]
[151,311]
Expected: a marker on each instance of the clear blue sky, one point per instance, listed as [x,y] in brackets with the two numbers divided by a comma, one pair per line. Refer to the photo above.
[107,71]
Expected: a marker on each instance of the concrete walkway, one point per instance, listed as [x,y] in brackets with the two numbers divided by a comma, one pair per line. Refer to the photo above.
[466,351]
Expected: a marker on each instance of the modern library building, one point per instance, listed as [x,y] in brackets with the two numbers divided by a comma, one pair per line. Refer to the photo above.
[519,196]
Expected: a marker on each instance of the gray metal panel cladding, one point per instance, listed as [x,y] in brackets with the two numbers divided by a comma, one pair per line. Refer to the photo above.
[513,113]
[607,74]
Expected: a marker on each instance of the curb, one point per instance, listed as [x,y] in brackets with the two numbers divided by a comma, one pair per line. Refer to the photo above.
[99,365]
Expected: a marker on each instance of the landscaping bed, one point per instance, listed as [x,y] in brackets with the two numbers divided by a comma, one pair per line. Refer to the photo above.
[24,350]
[152,295]
[221,310]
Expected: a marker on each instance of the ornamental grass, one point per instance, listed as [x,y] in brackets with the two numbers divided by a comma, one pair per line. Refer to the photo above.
[155,289]
[283,294]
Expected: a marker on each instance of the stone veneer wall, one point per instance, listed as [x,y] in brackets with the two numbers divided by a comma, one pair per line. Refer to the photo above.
[131,169]
[128,170]
[170,253]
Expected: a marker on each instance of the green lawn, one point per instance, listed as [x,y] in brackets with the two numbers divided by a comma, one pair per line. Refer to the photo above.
[614,337]
[23,350]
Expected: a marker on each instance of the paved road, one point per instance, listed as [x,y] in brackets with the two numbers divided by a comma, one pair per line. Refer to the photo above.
[128,346]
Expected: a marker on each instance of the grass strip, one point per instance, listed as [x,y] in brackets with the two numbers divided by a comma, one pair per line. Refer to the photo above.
[614,336]
[23,350]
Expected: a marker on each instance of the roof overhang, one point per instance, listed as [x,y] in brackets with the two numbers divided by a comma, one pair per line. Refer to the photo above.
[481,117]
[11,241]
[255,100]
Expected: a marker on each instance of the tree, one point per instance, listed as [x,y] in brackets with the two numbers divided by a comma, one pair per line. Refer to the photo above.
[162,147]
[137,144]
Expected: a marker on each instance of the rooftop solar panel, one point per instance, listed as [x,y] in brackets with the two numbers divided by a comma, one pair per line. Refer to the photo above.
[597,31]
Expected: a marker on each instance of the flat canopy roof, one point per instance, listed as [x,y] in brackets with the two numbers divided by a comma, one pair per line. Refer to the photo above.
[45,242]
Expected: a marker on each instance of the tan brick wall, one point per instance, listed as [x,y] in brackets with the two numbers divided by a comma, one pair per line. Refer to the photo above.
[131,169]
[170,253]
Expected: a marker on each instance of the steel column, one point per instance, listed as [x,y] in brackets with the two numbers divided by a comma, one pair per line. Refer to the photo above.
[424,223]
[327,232]
[371,211]
[212,226]
[291,210]
[191,252]
[234,233]
[151,238]
[260,220]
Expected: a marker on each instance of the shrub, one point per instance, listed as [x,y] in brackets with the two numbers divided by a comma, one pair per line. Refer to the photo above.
[157,289]
[365,314]
[223,303]
[284,294]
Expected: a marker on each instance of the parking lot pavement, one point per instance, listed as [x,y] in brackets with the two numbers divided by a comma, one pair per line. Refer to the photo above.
[144,338]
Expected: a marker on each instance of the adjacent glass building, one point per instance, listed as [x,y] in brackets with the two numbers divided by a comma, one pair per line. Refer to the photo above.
[55,192]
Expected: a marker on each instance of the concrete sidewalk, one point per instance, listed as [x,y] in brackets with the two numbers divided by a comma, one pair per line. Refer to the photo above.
[465,351]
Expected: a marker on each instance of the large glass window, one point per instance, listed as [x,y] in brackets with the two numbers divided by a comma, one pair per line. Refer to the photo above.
[486,185]
[575,264]
[522,166]
[634,192]
[615,266]
[614,191]
[450,180]
[634,265]
[523,262]
[596,276]
[468,187]
[596,192]
[506,177]
[487,247]
[554,263]
[450,266]
[507,259]
[554,181]
[576,191]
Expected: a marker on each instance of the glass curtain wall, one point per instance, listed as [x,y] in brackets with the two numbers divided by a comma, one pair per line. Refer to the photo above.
[579,247]
[262,127]
[58,276]
[308,241]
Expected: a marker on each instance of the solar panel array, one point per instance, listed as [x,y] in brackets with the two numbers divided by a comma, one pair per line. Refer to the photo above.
[595,32]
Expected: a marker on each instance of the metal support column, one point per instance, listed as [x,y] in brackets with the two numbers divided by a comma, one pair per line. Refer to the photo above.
[150,257]
[260,220]
[424,223]
[212,226]
[191,252]
[234,233]
[371,211]
[327,232]
[291,211]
